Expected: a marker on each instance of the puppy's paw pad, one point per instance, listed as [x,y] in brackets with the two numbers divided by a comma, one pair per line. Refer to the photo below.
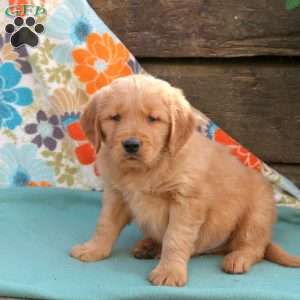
[236,264]
[168,276]
[88,252]
[146,249]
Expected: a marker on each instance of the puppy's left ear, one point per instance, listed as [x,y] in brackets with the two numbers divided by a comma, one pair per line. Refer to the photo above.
[183,121]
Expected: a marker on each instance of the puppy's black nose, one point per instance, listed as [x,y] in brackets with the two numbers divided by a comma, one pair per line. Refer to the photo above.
[131,145]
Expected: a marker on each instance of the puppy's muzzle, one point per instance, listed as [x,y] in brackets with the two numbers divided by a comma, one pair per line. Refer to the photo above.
[131,145]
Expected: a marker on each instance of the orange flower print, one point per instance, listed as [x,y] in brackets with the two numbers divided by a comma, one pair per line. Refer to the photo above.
[85,152]
[242,153]
[102,62]
[75,132]
[39,184]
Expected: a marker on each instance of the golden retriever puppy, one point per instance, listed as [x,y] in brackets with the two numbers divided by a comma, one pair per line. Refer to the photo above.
[188,194]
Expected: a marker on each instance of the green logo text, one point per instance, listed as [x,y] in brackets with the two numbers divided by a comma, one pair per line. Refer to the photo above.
[25,10]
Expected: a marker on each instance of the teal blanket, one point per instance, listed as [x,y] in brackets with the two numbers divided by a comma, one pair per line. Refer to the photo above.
[39,227]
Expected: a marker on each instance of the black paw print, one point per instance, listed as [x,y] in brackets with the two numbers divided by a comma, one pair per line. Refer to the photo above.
[25,34]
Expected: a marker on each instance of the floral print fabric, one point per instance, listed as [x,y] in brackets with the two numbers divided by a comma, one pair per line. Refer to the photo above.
[43,91]
[12,96]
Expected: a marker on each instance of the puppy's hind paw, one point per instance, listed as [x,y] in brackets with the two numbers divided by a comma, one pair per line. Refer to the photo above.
[88,252]
[147,249]
[236,263]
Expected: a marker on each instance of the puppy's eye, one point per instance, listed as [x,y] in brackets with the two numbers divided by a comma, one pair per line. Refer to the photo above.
[152,119]
[116,118]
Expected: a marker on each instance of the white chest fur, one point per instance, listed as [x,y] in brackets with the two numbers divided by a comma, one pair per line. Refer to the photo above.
[150,213]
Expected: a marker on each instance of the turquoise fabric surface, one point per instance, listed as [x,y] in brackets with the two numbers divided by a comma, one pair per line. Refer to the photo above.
[38,227]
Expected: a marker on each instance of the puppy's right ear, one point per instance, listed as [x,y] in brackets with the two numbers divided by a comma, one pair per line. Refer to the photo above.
[90,123]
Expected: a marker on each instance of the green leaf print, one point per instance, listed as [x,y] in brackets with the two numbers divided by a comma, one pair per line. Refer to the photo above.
[10,134]
[47,153]
[62,179]
[70,180]
[64,169]
[58,74]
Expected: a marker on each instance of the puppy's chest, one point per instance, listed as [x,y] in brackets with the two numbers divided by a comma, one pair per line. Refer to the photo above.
[150,212]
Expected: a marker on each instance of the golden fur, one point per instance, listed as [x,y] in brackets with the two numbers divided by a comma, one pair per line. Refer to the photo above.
[188,194]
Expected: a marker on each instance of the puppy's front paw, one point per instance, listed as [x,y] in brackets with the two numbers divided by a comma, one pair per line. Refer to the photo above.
[171,276]
[88,252]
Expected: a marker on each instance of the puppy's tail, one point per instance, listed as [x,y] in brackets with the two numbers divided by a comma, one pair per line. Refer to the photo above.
[277,255]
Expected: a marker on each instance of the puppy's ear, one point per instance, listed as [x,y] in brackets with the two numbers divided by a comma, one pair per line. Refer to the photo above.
[90,123]
[183,121]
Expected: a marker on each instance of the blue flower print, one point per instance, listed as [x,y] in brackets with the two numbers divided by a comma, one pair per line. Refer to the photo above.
[80,29]
[210,130]
[70,27]
[69,118]
[19,166]
[11,95]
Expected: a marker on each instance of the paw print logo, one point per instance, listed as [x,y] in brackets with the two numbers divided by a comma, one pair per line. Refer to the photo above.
[24,33]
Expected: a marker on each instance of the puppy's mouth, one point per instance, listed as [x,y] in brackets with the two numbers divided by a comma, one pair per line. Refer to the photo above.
[133,157]
[133,160]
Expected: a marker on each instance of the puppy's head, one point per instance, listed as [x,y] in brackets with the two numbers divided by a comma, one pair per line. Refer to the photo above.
[139,119]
